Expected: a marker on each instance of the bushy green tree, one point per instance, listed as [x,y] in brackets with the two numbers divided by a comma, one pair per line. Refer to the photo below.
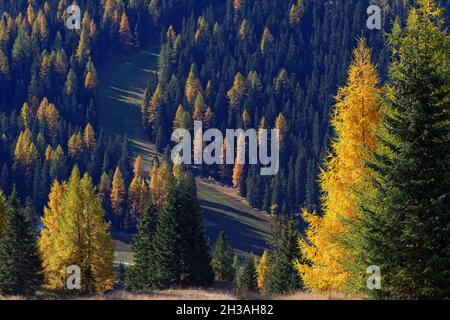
[405,223]
[20,267]
[222,260]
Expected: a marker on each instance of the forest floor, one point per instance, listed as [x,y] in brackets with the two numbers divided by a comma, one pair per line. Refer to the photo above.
[122,83]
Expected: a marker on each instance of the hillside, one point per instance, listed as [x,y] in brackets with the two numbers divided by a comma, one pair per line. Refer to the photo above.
[123,81]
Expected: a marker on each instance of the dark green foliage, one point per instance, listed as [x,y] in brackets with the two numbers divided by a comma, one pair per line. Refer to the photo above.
[246,277]
[140,275]
[181,253]
[283,277]
[222,260]
[20,267]
[405,225]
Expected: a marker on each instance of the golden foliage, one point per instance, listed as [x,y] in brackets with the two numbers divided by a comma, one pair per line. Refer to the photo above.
[355,120]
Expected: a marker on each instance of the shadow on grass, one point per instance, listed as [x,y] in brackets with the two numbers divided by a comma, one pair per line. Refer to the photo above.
[242,236]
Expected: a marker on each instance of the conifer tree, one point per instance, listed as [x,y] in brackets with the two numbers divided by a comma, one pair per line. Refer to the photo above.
[263,269]
[79,237]
[222,260]
[404,223]
[283,277]
[89,138]
[181,251]
[247,277]
[118,196]
[2,212]
[141,275]
[20,266]
[355,120]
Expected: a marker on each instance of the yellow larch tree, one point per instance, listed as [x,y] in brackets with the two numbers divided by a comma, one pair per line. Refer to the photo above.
[138,167]
[238,92]
[49,241]
[155,104]
[75,233]
[281,125]
[161,177]
[262,270]
[355,120]
[89,138]
[125,36]
[118,194]
[178,117]
[137,197]
[76,145]
[193,85]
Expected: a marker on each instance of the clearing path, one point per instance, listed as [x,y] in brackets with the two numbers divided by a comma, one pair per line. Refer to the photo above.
[122,84]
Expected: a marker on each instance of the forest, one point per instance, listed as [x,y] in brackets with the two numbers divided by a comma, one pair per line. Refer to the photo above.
[359,207]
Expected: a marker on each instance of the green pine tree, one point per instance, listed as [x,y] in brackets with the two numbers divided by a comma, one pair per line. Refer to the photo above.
[222,260]
[247,277]
[20,267]
[405,224]
[282,277]
[140,275]
[181,252]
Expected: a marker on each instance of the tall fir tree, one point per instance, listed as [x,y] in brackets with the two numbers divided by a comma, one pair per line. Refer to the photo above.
[282,277]
[20,266]
[141,275]
[404,223]
[222,260]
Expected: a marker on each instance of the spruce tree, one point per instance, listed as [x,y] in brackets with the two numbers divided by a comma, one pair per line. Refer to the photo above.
[141,275]
[247,277]
[282,276]
[404,226]
[222,260]
[181,252]
[20,267]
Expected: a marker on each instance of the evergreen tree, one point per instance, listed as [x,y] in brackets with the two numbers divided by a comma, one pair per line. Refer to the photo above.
[20,267]
[282,277]
[181,252]
[222,260]
[2,212]
[404,224]
[141,275]
[247,277]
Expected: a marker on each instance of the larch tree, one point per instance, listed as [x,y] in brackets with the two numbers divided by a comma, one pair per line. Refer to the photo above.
[262,270]
[118,196]
[89,138]
[77,234]
[125,35]
[193,85]
[355,120]
[138,167]
[238,92]
[49,240]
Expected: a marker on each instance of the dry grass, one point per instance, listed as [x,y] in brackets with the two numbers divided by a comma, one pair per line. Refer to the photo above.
[185,294]
[191,294]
